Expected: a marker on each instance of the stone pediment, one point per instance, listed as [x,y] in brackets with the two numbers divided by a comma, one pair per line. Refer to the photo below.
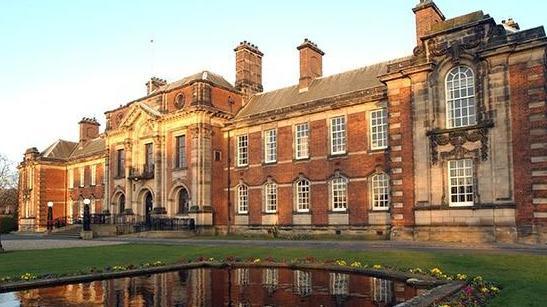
[137,111]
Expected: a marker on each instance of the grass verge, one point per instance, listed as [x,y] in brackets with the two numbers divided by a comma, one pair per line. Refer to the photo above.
[523,277]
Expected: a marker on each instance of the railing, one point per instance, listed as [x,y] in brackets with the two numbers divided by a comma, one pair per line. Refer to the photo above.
[146,171]
[57,222]
[139,223]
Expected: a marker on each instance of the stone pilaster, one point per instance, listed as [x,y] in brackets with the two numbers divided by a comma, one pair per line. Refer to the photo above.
[128,182]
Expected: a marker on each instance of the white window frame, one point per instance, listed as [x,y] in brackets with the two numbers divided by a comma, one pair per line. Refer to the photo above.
[94,174]
[466,94]
[303,282]
[270,146]
[242,276]
[382,290]
[82,176]
[339,185]
[302,195]
[242,150]
[270,278]
[71,178]
[378,129]
[337,131]
[302,141]
[242,199]
[461,171]
[339,283]
[380,188]
[270,197]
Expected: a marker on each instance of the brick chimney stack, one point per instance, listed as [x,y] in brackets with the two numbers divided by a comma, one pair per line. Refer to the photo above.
[248,69]
[311,63]
[154,84]
[427,14]
[89,129]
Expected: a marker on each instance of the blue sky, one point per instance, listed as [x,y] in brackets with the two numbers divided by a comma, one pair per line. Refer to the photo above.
[62,60]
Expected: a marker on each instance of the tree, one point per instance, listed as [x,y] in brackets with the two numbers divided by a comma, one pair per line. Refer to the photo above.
[8,187]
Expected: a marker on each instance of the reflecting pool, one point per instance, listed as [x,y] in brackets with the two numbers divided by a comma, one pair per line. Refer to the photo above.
[238,287]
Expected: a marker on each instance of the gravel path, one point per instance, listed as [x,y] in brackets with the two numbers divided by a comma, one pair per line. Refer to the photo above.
[14,242]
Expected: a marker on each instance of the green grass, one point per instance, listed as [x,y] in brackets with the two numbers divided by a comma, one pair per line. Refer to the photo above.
[522,276]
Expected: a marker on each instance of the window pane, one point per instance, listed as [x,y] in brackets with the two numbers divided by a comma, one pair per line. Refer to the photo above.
[460,97]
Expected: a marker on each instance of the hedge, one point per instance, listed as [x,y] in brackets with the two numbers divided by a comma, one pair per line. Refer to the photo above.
[8,224]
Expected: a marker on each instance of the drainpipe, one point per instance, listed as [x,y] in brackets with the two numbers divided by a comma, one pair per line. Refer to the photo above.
[229,181]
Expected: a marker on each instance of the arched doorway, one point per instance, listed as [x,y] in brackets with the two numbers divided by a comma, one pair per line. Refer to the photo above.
[148,207]
[183,201]
[121,204]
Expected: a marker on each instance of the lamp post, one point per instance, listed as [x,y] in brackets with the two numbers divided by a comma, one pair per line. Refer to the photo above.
[87,218]
[49,216]
[1,248]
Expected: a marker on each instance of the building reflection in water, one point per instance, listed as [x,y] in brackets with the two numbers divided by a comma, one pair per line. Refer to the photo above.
[239,287]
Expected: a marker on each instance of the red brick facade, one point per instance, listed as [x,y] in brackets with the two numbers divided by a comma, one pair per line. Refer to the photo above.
[448,143]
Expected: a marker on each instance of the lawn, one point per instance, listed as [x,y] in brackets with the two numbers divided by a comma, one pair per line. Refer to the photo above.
[523,277]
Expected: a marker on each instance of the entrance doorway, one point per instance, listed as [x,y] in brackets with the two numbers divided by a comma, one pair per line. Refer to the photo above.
[183,201]
[148,208]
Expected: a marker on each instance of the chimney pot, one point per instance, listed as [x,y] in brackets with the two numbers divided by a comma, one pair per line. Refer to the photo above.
[248,69]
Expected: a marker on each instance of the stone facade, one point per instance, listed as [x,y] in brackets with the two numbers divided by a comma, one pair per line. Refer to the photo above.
[445,144]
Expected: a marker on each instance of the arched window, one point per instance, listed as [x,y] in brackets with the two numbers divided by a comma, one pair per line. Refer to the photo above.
[183,201]
[242,199]
[460,97]
[339,194]
[302,195]
[380,192]
[270,197]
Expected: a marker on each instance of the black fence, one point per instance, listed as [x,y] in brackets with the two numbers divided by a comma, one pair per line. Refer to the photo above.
[139,223]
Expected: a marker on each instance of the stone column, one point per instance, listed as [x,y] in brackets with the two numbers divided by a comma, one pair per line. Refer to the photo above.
[128,182]
[201,169]
[159,206]
[106,181]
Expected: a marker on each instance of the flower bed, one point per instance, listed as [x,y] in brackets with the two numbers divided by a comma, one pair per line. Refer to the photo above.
[447,290]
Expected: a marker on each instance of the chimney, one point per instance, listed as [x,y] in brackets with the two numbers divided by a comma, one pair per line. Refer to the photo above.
[248,69]
[89,129]
[427,14]
[311,63]
[154,84]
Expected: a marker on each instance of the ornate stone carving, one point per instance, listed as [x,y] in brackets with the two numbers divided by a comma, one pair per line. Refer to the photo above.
[457,138]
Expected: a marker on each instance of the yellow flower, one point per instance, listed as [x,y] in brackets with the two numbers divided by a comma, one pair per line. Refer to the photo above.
[257,260]
[356,264]
[494,289]
[461,276]
[341,262]
[377,266]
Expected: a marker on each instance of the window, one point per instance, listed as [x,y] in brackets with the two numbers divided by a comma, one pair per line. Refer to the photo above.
[338,135]
[71,178]
[339,284]
[242,276]
[380,192]
[270,197]
[382,290]
[93,174]
[217,155]
[460,182]
[82,176]
[302,283]
[270,146]
[302,195]
[242,150]
[120,159]
[378,129]
[302,132]
[270,279]
[339,190]
[179,101]
[460,97]
[149,158]
[242,199]
[180,151]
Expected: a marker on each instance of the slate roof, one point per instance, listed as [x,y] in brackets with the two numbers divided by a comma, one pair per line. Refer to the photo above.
[66,150]
[330,86]
[61,150]
[201,76]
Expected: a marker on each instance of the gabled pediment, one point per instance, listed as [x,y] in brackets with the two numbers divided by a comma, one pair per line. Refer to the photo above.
[139,110]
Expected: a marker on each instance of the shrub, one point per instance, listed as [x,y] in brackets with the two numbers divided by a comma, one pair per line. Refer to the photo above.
[8,223]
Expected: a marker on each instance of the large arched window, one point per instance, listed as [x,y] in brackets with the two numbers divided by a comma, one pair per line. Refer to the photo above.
[302,195]
[339,194]
[242,199]
[461,107]
[380,192]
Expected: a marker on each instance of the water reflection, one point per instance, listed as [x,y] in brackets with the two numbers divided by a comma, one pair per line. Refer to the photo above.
[223,287]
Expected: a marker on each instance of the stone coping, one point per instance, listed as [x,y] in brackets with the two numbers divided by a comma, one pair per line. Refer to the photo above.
[439,289]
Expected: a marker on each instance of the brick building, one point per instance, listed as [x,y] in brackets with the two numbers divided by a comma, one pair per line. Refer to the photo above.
[448,143]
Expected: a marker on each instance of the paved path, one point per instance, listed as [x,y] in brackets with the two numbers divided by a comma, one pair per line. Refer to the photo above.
[27,242]
[13,242]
